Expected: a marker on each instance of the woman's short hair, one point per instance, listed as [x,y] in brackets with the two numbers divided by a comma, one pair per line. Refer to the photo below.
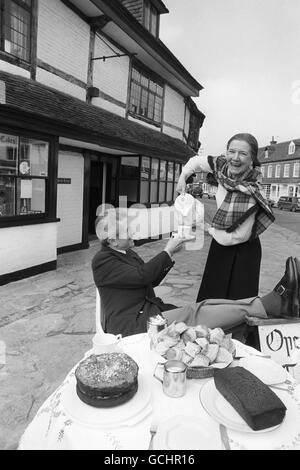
[251,140]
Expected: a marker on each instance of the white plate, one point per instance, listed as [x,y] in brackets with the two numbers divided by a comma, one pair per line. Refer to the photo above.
[127,414]
[186,433]
[221,410]
[265,369]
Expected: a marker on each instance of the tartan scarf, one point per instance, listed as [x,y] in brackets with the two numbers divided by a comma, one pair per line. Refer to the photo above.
[237,205]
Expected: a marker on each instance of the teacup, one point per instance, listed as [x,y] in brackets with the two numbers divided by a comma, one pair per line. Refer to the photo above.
[106,343]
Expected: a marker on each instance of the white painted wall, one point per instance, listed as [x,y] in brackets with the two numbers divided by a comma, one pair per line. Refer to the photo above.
[27,246]
[113,108]
[10,68]
[60,84]
[111,76]
[174,108]
[70,199]
[63,38]
[172,132]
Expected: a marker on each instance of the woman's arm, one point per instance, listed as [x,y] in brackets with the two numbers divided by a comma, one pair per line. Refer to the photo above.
[240,235]
[197,163]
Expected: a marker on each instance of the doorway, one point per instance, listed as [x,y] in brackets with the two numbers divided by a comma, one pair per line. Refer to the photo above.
[96,190]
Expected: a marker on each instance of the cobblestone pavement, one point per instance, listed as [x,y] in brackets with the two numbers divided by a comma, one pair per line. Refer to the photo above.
[47,321]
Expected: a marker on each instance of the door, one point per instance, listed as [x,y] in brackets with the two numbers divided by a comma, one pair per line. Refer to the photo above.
[96,189]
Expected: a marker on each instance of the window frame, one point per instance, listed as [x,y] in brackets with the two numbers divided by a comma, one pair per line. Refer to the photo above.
[151,9]
[296,170]
[277,171]
[292,148]
[270,171]
[50,181]
[10,57]
[150,77]
[286,170]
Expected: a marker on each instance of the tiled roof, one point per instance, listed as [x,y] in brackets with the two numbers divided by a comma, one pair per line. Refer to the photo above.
[279,152]
[101,126]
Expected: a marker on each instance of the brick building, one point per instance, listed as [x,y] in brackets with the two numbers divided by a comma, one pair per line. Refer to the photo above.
[280,166]
[93,106]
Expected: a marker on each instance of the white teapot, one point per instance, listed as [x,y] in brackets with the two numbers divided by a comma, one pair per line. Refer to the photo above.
[189,211]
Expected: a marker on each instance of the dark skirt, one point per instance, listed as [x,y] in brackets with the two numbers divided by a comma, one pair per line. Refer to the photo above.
[231,272]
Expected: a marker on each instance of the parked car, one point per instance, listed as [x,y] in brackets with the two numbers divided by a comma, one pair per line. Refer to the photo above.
[197,191]
[209,195]
[271,202]
[289,203]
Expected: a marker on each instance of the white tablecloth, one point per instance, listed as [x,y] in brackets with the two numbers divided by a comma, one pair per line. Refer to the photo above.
[59,425]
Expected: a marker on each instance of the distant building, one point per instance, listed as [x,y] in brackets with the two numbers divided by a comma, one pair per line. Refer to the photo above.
[93,106]
[280,166]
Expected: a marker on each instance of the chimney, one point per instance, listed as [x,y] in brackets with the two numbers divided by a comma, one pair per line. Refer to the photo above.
[273,142]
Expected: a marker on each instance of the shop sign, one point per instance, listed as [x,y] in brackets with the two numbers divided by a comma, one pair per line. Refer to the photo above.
[64,181]
[281,342]
[8,140]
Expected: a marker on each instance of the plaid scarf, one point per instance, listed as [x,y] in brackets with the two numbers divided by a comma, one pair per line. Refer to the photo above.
[237,205]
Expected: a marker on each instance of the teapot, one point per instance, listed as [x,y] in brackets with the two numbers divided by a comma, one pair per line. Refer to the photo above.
[189,211]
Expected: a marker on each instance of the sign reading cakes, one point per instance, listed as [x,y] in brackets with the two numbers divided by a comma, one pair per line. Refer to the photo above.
[281,342]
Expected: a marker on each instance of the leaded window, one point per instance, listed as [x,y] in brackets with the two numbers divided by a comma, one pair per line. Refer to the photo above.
[146,96]
[15,27]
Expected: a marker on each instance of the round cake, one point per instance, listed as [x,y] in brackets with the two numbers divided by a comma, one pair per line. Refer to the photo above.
[107,380]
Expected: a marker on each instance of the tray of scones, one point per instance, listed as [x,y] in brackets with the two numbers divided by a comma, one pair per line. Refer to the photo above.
[201,348]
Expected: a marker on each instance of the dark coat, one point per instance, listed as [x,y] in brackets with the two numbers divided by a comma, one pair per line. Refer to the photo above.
[125,284]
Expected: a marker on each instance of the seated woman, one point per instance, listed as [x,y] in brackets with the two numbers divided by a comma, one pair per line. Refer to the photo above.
[233,264]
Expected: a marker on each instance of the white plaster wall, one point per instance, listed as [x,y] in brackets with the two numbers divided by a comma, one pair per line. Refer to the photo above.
[27,246]
[60,84]
[143,123]
[63,38]
[10,68]
[111,76]
[113,108]
[174,108]
[172,132]
[70,199]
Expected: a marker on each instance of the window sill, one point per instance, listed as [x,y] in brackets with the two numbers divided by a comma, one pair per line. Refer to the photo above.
[22,221]
[142,118]
[15,60]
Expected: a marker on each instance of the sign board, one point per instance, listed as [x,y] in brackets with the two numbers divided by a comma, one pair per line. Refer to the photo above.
[64,181]
[26,189]
[282,343]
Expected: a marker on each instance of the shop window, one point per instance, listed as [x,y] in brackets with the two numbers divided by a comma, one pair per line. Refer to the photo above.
[146,97]
[16,25]
[23,175]
[129,167]
[154,180]
[170,178]
[129,189]
[145,180]
[177,171]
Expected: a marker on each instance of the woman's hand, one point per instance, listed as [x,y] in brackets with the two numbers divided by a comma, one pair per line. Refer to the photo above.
[181,185]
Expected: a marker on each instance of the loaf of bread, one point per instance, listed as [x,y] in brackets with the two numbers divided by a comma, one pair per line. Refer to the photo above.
[254,401]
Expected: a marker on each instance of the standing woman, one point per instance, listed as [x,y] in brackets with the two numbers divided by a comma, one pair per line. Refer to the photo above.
[233,264]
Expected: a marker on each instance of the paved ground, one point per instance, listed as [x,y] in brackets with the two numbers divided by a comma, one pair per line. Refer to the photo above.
[47,322]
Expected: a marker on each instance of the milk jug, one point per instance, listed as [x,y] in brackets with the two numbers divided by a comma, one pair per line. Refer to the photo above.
[189,211]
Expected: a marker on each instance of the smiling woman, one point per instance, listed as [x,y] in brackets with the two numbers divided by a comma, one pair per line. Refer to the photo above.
[233,264]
